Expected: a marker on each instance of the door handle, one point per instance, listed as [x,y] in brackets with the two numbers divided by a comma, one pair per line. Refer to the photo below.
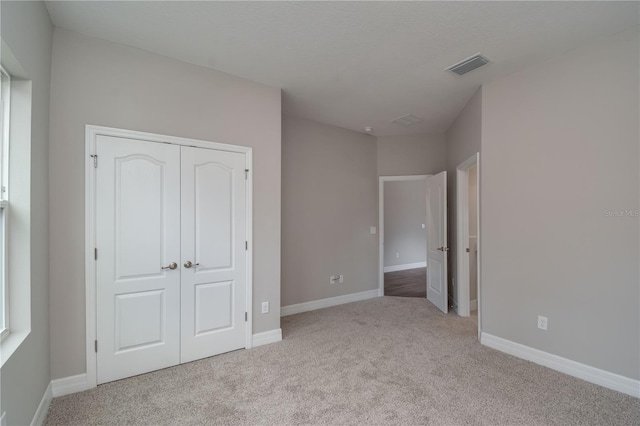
[172,265]
[443,248]
[188,264]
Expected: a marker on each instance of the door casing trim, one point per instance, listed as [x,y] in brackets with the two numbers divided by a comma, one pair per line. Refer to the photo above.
[91,134]
[462,234]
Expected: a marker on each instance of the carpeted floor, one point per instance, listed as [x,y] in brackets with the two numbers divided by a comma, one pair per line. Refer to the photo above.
[381,361]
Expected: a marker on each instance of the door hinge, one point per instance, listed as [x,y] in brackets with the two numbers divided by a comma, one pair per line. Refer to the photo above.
[246,174]
[468,251]
[246,317]
[95,253]
[96,345]
[95,160]
[246,245]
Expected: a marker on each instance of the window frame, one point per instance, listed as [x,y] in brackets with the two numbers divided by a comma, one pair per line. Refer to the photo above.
[5,110]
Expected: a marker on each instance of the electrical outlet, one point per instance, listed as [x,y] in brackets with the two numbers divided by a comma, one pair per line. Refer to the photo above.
[265,307]
[542,322]
[341,278]
[397,255]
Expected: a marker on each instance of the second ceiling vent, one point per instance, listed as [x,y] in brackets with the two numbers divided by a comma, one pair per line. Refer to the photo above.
[469,64]
[407,120]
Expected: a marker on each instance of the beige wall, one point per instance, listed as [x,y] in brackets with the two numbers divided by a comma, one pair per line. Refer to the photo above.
[560,148]
[411,155]
[463,141]
[405,211]
[102,83]
[26,54]
[329,201]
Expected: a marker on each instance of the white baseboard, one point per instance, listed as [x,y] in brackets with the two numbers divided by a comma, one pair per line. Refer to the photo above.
[582,371]
[41,412]
[266,337]
[326,303]
[404,267]
[473,304]
[79,383]
[71,384]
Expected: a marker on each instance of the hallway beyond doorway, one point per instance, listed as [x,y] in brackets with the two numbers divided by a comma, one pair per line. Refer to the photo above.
[407,283]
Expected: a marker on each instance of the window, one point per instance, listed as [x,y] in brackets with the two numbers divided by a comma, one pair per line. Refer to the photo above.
[5,91]
[15,207]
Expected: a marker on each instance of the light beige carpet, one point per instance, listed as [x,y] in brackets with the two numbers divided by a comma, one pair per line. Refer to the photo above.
[381,361]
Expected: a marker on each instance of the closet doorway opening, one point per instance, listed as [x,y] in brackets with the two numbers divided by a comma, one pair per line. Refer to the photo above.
[168,258]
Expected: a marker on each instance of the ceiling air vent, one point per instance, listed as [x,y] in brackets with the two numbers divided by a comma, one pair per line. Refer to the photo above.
[469,64]
[407,120]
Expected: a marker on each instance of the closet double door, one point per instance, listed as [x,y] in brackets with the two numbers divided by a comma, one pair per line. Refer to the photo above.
[171,255]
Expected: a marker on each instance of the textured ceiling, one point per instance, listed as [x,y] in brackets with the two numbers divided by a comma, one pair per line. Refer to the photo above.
[354,64]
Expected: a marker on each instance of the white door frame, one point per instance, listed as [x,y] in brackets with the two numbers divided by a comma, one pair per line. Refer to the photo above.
[91,134]
[381,181]
[462,228]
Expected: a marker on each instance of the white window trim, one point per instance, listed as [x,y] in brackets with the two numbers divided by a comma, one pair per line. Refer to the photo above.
[5,327]
[4,156]
[4,332]
[18,270]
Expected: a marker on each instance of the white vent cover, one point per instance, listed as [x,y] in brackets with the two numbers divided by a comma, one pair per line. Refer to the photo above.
[407,120]
[469,64]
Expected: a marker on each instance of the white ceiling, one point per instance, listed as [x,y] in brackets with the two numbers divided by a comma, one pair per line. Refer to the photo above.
[354,64]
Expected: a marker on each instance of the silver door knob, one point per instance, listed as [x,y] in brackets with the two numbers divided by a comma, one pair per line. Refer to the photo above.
[172,265]
[188,264]
[443,248]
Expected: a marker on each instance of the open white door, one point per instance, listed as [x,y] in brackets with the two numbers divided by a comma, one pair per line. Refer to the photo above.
[437,241]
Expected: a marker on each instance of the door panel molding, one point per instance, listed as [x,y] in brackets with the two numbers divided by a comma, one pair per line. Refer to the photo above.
[92,133]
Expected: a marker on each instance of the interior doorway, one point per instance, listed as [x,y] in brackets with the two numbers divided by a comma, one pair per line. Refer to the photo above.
[402,224]
[432,223]
[468,238]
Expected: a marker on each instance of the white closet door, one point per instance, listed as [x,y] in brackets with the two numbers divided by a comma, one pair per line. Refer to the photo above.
[213,217]
[138,236]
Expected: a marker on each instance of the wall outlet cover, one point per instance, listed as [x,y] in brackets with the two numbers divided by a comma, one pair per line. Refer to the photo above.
[265,307]
[542,322]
